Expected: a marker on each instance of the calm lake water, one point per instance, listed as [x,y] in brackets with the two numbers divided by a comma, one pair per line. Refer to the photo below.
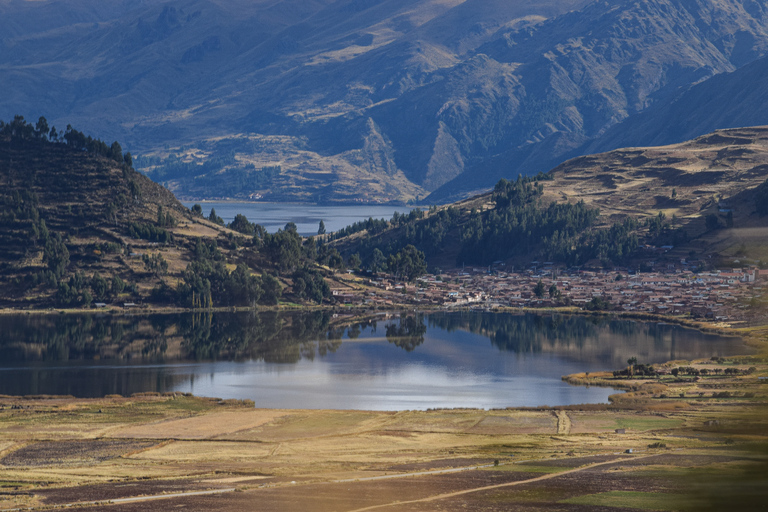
[314,360]
[307,217]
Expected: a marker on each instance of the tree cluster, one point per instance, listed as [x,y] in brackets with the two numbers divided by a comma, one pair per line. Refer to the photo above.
[81,291]
[408,263]
[149,232]
[206,282]
[310,284]
[19,128]
[519,224]
[164,219]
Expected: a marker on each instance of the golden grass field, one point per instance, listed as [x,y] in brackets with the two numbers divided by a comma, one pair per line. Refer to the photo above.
[687,442]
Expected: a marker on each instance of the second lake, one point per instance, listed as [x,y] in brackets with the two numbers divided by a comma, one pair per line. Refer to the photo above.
[307,217]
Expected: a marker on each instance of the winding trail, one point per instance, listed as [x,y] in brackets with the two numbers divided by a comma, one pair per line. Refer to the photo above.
[409,475]
[563,422]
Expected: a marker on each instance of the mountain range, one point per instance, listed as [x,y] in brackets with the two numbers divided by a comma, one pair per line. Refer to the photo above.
[380,100]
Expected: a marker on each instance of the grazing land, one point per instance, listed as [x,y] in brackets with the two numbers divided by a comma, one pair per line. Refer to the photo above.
[671,442]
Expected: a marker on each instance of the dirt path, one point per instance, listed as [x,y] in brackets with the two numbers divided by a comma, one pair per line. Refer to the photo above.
[408,475]
[563,422]
[497,486]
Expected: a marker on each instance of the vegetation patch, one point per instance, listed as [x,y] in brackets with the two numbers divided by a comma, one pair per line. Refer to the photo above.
[647,423]
[71,452]
[629,499]
[525,468]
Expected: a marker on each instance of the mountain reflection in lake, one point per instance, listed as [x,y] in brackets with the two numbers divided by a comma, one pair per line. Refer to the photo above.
[313,360]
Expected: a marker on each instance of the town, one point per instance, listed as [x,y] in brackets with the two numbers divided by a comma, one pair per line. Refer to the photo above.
[725,295]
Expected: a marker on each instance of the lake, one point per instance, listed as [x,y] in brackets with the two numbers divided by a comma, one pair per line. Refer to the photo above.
[307,217]
[315,360]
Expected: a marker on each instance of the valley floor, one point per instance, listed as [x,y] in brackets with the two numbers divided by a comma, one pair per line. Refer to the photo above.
[667,444]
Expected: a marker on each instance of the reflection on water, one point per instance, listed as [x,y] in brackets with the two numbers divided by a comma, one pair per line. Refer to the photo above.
[313,360]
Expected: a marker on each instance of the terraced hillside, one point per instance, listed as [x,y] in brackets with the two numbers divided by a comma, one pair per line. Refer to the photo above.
[67,211]
[705,173]
[79,227]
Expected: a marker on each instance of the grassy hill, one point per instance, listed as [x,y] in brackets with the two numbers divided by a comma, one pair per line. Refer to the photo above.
[80,226]
[68,211]
[698,196]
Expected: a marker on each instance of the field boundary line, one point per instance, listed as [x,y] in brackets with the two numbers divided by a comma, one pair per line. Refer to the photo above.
[419,473]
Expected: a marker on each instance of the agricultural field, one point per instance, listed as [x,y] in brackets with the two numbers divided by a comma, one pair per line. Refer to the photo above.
[674,444]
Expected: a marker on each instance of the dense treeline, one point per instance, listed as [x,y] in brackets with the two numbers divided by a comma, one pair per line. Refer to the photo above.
[518,225]
[149,232]
[425,232]
[376,226]
[19,128]
[207,282]
[80,290]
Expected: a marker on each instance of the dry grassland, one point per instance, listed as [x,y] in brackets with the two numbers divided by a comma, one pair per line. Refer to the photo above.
[57,451]
[201,427]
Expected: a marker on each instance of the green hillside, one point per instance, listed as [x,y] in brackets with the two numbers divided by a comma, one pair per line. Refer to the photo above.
[80,227]
[701,200]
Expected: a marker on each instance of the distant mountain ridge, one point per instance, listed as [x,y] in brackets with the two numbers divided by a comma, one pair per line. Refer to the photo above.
[370,100]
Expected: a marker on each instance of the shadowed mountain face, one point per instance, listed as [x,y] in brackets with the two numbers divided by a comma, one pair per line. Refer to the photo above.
[728,100]
[374,100]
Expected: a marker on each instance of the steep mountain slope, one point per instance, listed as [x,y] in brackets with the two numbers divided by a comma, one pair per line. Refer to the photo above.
[728,100]
[585,71]
[373,100]
[68,211]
